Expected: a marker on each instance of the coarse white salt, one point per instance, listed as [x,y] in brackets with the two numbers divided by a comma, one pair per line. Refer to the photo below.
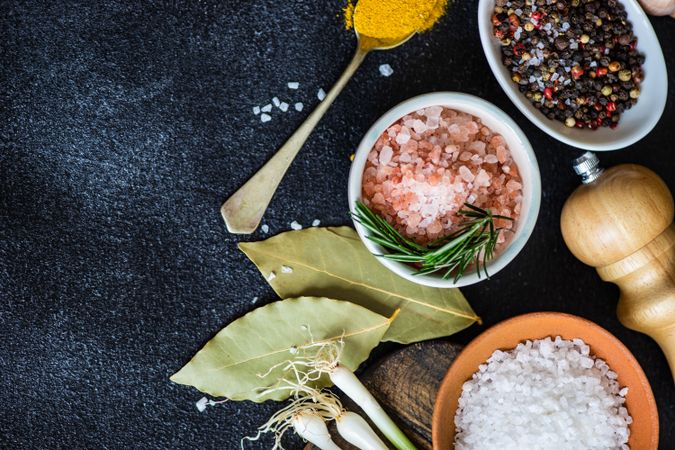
[266,108]
[316,222]
[254,301]
[295,225]
[276,101]
[298,106]
[201,404]
[265,118]
[256,110]
[283,106]
[386,70]
[543,394]
[321,94]
[286,269]
[293,85]
[265,228]
[271,276]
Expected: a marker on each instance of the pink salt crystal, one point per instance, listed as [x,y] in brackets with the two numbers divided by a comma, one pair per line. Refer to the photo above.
[378,198]
[465,173]
[433,111]
[483,178]
[477,147]
[491,159]
[502,154]
[432,123]
[419,126]
[435,227]
[405,158]
[513,185]
[385,155]
[402,138]
[465,156]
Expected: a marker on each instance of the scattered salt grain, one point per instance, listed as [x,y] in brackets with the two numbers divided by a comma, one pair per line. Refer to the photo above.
[256,110]
[201,404]
[321,94]
[283,106]
[265,228]
[298,106]
[543,394]
[276,101]
[286,269]
[386,70]
[293,85]
[295,225]
[254,301]
[265,118]
[316,222]
[271,276]
[266,108]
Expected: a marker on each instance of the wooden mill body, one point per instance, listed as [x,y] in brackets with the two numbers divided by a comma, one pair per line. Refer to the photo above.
[622,224]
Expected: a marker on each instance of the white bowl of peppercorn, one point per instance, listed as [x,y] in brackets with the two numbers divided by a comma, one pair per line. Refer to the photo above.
[589,73]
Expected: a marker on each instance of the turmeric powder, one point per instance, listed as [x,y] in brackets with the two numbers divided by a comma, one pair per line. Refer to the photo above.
[392,20]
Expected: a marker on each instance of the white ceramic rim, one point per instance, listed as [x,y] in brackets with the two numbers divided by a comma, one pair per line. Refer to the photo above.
[531,190]
[643,116]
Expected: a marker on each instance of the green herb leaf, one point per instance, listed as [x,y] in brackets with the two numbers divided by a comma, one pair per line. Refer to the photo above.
[333,262]
[231,364]
[474,241]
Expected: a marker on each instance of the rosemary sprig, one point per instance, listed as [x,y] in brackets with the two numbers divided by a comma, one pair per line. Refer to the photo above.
[474,241]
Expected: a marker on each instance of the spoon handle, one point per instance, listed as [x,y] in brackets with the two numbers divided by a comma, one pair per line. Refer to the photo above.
[244,209]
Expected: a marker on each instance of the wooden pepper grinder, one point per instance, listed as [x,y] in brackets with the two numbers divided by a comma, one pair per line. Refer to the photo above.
[620,221]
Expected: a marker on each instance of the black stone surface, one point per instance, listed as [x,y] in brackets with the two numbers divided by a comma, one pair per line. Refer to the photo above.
[125,125]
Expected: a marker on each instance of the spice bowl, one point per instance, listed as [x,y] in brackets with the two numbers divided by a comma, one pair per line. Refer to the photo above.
[639,400]
[520,151]
[634,123]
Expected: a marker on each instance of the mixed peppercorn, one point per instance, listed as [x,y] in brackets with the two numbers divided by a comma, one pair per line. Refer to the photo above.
[576,60]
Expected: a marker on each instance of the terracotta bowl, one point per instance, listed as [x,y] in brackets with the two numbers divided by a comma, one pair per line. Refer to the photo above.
[644,431]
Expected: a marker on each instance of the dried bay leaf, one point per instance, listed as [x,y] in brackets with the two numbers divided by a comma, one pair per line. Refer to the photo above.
[232,362]
[333,262]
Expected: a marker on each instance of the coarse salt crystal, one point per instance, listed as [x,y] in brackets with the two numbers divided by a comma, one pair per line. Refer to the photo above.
[386,70]
[286,269]
[283,106]
[266,108]
[271,276]
[265,228]
[254,301]
[528,396]
[402,139]
[276,101]
[293,85]
[316,222]
[265,118]
[385,155]
[298,106]
[295,225]
[321,94]
[201,404]
[256,110]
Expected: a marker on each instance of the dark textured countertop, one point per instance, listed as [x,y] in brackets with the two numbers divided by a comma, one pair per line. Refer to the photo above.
[125,125]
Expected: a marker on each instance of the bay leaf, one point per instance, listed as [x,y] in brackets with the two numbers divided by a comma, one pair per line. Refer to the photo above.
[233,362]
[333,262]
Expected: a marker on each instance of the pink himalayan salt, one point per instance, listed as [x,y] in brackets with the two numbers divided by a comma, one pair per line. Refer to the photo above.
[425,166]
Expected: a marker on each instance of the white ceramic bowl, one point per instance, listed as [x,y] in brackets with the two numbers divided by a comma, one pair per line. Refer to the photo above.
[521,150]
[634,124]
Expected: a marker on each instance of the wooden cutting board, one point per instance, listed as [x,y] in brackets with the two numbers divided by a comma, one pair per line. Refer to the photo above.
[405,383]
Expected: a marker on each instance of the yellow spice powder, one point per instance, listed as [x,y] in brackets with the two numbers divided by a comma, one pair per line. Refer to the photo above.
[392,20]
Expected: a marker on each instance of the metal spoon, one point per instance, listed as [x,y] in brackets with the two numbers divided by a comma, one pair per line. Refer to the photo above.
[244,209]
